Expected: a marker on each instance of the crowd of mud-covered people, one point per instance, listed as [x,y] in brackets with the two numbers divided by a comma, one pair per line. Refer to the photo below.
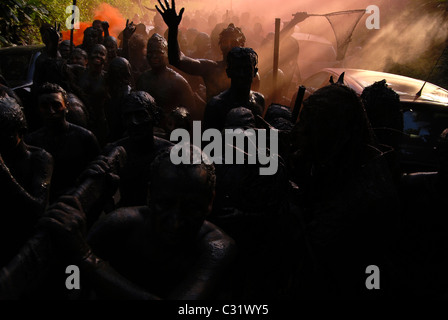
[87,179]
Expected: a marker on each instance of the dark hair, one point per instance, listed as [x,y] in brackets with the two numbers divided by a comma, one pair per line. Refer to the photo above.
[234,33]
[165,158]
[240,117]
[383,106]
[136,42]
[145,100]
[201,39]
[279,116]
[47,88]
[335,113]
[11,115]
[82,52]
[242,53]
[157,40]
[109,39]
[119,70]
[182,117]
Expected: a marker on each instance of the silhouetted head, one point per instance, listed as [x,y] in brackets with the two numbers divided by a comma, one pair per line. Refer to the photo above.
[12,124]
[97,24]
[64,49]
[240,118]
[202,42]
[242,66]
[333,127]
[52,103]
[119,72]
[231,37]
[91,37]
[179,117]
[383,106]
[79,57]
[98,55]
[139,114]
[137,44]
[111,46]
[280,117]
[180,197]
[157,51]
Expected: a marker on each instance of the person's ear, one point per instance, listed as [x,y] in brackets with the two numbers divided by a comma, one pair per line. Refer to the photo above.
[255,72]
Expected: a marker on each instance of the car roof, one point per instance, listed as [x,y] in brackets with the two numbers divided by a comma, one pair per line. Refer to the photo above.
[21,49]
[406,87]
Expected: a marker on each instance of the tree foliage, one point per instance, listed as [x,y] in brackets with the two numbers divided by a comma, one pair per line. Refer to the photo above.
[20,19]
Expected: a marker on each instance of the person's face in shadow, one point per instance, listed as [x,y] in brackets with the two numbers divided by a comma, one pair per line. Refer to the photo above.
[227,44]
[112,47]
[242,73]
[90,37]
[157,57]
[98,56]
[179,202]
[137,122]
[52,108]
[79,59]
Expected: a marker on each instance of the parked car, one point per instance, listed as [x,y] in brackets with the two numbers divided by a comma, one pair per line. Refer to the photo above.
[17,65]
[424,116]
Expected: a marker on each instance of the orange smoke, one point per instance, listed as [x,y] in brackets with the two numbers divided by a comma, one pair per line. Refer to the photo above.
[104,12]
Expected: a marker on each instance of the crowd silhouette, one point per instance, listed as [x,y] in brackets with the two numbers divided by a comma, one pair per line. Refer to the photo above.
[87,178]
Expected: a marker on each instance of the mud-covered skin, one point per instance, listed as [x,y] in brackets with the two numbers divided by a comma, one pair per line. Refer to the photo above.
[119,84]
[71,146]
[135,175]
[92,36]
[219,106]
[168,87]
[25,175]
[139,113]
[241,69]
[112,50]
[93,88]
[165,250]
[212,72]
[168,248]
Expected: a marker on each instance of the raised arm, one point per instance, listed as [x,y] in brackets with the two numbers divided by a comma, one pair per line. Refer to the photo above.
[105,26]
[172,20]
[127,34]
[175,56]
[298,17]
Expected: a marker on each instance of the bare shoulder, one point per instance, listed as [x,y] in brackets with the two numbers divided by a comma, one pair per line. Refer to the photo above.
[161,144]
[116,226]
[175,76]
[122,218]
[39,156]
[216,240]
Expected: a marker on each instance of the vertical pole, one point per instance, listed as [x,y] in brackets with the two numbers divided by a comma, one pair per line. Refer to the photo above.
[73,27]
[275,90]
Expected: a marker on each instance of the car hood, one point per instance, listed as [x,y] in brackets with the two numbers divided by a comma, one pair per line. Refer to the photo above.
[406,87]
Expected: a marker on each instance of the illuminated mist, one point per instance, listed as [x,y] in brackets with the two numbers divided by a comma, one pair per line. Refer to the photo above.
[400,39]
